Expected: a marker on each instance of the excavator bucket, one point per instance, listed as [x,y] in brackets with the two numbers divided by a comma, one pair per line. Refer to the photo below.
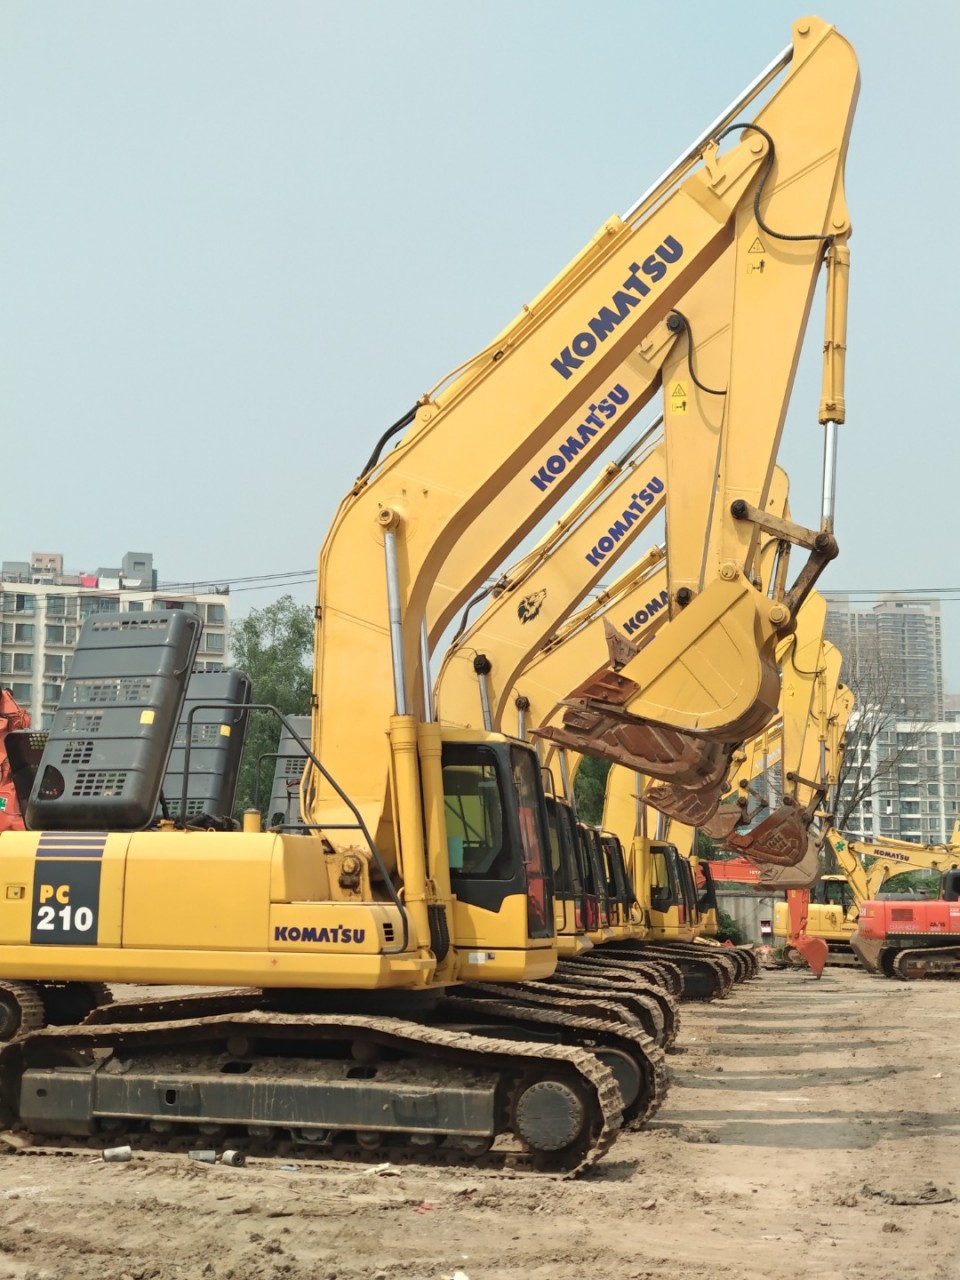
[867,951]
[713,671]
[594,726]
[813,950]
[694,807]
[677,710]
[803,875]
[780,839]
[723,823]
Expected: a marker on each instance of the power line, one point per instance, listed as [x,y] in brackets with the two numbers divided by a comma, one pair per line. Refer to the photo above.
[893,591]
[209,580]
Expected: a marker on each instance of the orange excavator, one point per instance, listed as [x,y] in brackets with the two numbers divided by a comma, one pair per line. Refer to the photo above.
[13,718]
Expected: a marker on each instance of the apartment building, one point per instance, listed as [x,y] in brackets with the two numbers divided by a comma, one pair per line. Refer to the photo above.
[904,734]
[915,794]
[892,652]
[42,609]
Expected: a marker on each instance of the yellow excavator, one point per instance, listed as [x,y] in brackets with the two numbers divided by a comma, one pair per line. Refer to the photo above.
[625,810]
[425,867]
[806,747]
[483,680]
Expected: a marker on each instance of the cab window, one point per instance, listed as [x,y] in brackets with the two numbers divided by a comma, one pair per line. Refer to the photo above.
[474,811]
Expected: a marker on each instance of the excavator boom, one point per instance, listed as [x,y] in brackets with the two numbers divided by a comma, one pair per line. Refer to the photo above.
[394,532]
[713,672]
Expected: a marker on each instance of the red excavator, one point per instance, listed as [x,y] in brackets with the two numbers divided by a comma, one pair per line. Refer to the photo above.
[912,939]
[12,717]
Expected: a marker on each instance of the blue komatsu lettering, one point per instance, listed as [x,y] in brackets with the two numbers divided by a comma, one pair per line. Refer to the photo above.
[605,322]
[654,268]
[571,447]
[310,933]
[635,287]
[599,415]
[644,615]
[565,363]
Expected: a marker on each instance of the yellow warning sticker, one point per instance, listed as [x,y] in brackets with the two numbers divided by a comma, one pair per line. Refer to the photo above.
[224,731]
[147,717]
[678,398]
[757,246]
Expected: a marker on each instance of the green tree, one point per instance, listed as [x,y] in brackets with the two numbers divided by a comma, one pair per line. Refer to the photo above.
[588,789]
[274,647]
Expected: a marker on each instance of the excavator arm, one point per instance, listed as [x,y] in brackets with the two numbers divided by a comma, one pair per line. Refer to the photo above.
[480,667]
[889,858]
[395,531]
[781,838]
[713,673]
[686,779]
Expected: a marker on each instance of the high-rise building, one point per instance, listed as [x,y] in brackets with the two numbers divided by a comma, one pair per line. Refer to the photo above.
[42,609]
[913,770]
[902,765]
[892,653]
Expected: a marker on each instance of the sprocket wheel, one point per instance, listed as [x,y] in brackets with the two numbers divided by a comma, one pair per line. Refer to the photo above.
[554,1120]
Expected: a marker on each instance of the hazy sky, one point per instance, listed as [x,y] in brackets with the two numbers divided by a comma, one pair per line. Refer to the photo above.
[239,239]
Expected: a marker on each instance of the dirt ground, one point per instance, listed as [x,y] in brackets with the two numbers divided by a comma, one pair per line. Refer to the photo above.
[811,1129]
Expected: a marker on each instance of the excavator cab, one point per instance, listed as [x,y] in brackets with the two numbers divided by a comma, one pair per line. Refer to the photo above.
[589,919]
[707,908]
[596,880]
[498,843]
[688,891]
[833,891]
[619,884]
[669,906]
[569,898]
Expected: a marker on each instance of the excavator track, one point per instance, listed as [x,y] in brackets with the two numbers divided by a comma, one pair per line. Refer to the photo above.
[660,973]
[657,973]
[204,1004]
[637,1063]
[740,963]
[654,1011]
[65,1003]
[750,958]
[619,980]
[21,1009]
[352,1085]
[706,976]
[630,1009]
[925,962]
[637,1007]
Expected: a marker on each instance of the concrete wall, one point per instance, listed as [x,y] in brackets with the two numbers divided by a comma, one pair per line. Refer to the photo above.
[754,914]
